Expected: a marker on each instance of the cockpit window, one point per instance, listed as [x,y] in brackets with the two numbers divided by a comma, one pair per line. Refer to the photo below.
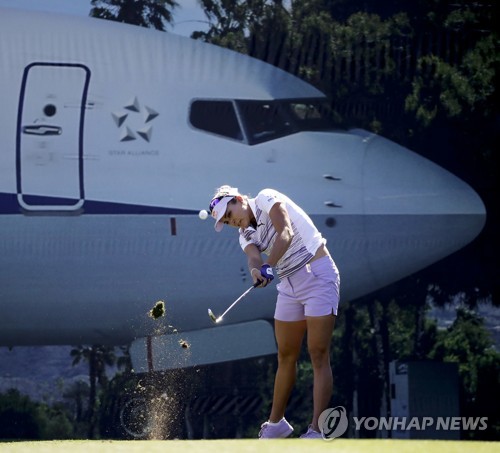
[261,121]
[268,120]
[218,117]
[264,121]
[304,111]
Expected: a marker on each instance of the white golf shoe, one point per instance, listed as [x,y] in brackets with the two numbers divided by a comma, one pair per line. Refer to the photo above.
[311,434]
[278,430]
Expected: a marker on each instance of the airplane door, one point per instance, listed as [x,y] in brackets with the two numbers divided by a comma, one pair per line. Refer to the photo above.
[49,145]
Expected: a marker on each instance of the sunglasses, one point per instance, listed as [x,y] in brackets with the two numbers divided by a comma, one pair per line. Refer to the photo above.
[214,202]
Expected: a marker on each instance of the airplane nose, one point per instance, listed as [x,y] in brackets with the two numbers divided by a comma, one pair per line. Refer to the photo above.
[399,180]
[429,212]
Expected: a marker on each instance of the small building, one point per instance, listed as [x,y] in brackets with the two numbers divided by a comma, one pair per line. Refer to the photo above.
[425,400]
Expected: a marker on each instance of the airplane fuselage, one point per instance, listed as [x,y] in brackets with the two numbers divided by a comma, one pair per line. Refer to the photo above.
[113,137]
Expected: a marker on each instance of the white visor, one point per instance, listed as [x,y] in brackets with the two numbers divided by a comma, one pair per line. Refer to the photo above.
[219,210]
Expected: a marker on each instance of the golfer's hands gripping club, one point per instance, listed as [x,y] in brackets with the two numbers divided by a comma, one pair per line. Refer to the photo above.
[263,276]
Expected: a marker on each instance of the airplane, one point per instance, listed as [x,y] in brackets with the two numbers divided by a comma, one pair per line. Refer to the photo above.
[114,137]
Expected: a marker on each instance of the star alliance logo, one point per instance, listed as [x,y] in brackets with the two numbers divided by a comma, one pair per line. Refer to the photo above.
[135,121]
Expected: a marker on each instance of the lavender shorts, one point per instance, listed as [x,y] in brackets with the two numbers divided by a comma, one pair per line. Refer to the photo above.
[311,291]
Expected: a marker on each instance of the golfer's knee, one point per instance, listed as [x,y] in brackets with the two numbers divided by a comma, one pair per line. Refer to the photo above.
[320,356]
[287,357]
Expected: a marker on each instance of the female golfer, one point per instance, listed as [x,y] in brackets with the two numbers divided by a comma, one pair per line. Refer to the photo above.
[308,292]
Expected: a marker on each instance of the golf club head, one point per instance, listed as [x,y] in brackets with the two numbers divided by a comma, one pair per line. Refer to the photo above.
[212,316]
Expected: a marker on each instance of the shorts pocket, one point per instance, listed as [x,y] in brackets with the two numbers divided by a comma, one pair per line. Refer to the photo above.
[325,270]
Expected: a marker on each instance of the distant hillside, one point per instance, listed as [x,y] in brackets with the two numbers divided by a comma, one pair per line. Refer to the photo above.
[42,372]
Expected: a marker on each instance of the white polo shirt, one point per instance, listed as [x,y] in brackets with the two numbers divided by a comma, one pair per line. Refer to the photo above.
[306,239]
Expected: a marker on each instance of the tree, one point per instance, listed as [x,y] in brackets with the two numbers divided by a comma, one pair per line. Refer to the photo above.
[145,13]
[75,398]
[98,357]
[467,343]
[232,23]
[18,417]
[442,88]
[22,418]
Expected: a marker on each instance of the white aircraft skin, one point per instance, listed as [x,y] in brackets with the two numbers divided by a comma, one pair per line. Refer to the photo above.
[102,176]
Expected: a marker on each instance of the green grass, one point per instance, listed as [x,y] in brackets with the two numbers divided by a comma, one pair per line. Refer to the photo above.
[254,445]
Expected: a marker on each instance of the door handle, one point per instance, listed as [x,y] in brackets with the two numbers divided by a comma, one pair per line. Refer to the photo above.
[42,129]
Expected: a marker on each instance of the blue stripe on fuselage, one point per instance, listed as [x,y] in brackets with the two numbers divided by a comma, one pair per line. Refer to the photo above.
[10,205]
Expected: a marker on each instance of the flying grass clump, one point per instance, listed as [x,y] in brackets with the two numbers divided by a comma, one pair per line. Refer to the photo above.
[158,310]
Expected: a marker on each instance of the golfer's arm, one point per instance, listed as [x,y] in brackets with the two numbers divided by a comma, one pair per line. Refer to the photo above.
[284,233]
[253,256]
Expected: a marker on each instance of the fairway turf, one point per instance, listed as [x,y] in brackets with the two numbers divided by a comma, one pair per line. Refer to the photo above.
[254,445]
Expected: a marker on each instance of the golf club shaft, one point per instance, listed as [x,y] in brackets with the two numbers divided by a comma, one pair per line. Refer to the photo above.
[239,298]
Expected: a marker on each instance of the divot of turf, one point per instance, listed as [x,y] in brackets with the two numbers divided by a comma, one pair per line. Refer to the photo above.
[158,310]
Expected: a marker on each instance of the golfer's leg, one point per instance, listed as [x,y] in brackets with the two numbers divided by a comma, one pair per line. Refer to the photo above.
[319,337]
[289,336]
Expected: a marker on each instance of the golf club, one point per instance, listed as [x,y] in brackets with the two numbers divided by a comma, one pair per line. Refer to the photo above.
[219,319]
